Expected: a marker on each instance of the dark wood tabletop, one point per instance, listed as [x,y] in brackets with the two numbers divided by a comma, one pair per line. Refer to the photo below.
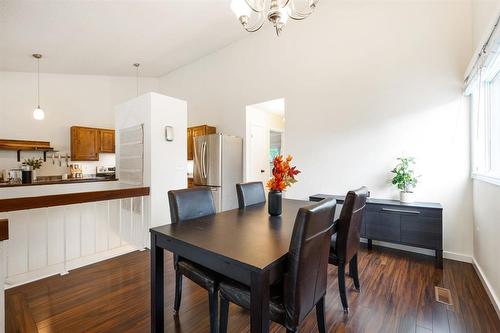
[246,245]
[250,236]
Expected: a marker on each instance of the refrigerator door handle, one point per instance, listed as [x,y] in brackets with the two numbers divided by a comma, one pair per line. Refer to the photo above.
[204,159]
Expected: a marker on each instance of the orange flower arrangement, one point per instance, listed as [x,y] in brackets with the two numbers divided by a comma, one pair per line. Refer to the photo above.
[283,174]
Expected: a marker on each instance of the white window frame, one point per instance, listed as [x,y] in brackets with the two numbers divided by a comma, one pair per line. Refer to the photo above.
[481,170]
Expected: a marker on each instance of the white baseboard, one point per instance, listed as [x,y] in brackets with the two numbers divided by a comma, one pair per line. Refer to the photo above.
[487,286]
[38,274]
[457,256]
[446,254]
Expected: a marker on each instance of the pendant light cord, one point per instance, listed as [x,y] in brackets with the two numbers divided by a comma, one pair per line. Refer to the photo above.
[137,78]
[38,82]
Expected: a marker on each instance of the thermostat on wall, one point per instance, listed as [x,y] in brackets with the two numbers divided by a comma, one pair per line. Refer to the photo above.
[169,133]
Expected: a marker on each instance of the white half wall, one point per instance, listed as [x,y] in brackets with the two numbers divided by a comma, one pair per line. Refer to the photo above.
[86,100]
[364,82]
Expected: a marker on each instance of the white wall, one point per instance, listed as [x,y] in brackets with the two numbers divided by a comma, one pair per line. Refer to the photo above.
[165,163]
[486,196]
[68,100]
[364,82]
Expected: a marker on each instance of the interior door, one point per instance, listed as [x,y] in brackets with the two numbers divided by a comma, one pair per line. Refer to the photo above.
[259,154]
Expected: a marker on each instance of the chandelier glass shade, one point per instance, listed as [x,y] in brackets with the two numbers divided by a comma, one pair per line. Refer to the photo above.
[253,13]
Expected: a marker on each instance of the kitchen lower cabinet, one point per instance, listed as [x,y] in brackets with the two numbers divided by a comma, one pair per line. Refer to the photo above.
[416,224]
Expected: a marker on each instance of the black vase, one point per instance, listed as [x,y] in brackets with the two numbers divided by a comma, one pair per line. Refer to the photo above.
[274,203]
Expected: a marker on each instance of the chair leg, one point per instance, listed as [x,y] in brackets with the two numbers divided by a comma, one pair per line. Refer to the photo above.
[178,292]
[353,270]
[342,291]
[320,315]
[224,314]
[213,301]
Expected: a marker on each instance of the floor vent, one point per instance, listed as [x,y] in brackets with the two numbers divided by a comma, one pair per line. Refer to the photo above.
[443,295]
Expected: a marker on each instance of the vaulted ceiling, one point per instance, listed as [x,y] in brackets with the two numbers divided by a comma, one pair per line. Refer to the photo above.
[107,37]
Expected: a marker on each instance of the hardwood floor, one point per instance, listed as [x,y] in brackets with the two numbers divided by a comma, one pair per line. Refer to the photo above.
[397,295]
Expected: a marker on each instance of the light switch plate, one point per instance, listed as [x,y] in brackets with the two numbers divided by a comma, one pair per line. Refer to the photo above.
[169,133]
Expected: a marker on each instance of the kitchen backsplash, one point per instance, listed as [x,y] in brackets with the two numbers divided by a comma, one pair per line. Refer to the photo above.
[8,160]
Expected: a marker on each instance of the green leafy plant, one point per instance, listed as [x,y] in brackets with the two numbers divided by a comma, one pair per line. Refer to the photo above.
[404,175]
[35,163]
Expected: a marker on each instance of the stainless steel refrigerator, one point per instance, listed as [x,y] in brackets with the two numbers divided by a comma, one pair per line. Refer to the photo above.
[218,164]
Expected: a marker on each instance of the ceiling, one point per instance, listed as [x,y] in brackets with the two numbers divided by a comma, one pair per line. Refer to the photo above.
[105,37]
[276,106]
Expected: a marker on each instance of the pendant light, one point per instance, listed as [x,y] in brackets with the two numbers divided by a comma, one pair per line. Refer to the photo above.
[136,65]
[38,113]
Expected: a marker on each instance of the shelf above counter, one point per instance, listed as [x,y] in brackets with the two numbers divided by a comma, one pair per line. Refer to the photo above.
[26,145]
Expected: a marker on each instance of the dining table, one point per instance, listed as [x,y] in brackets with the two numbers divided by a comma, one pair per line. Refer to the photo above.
[247,245]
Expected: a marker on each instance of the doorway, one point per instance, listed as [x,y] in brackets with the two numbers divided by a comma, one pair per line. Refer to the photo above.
[265,133]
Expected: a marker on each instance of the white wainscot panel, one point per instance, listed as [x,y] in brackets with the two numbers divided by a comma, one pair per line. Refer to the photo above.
[55,227]
[49,241]
[37,238]
[17,245]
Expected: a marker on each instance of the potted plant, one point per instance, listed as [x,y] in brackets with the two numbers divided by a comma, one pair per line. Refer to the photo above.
[404,178]
[283,177]
[35,164]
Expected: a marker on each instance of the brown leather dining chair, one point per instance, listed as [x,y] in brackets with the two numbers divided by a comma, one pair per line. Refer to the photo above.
[345,242]
[304,283]
[250,194]
[185,205]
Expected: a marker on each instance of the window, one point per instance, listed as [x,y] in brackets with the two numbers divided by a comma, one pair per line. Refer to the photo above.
[484,94]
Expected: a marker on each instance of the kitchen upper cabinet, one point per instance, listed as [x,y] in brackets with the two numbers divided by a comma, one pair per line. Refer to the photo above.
[193,132]
[107,141]
[88,142]
[189,144]
[85,143]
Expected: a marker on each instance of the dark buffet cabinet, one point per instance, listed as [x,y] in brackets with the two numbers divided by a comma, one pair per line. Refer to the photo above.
[418,224]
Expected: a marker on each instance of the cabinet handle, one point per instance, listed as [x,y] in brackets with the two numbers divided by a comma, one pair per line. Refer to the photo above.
[416,212]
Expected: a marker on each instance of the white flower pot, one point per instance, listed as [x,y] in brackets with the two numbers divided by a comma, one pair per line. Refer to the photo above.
[406,197]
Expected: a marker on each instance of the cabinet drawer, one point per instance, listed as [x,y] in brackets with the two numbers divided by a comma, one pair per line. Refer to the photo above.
[406,210]
[383,226]
[422,231]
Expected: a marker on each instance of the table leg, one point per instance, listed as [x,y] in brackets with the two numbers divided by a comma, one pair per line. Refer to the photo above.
[370,244]
[157,294]
[439,258]
[259,307]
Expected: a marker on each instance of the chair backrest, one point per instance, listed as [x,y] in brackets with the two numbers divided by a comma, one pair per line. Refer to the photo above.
[306,276]
[190,203]
[250,194]
[349,224]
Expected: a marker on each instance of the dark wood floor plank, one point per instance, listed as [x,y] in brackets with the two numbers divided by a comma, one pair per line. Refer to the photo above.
[397,295]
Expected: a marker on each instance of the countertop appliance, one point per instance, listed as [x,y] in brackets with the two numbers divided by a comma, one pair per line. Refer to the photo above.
[76,171]
[218,164]
[105,171]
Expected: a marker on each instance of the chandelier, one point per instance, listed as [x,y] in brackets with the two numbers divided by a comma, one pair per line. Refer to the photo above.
[252,13]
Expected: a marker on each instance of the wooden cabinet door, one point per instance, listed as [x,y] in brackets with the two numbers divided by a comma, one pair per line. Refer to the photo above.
[85,144]
[190,144]
[107,141]
[383,226]
[196,131]
[199,131]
